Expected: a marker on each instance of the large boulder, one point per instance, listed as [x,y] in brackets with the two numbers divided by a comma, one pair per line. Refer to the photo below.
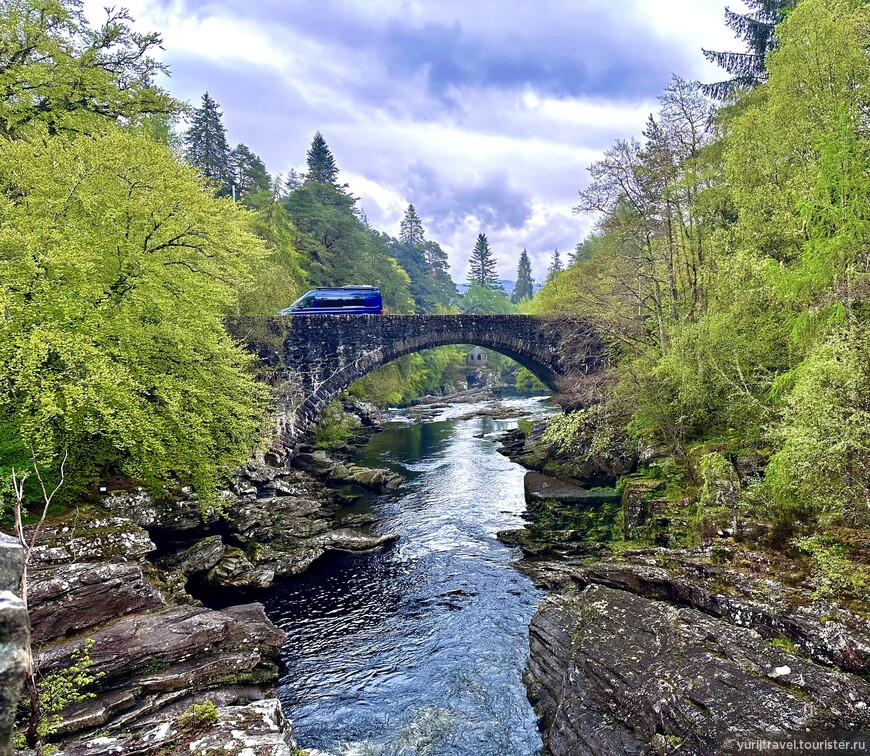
[234,570]
[148,661]
[613,672]
[376,479]
[74,597]
[539,487]
[198,558]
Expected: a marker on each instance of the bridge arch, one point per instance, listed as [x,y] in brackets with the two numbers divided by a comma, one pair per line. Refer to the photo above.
[314,358]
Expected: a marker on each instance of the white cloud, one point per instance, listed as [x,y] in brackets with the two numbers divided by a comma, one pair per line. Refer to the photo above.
[483,151]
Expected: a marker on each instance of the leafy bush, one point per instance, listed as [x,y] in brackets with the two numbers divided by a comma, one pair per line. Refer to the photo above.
[836,573]
[199,717]
[335,425]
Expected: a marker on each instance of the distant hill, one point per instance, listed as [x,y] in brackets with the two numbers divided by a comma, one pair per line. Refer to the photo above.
[505,284]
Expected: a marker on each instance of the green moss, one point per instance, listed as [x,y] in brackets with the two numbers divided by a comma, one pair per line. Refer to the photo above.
[784,644]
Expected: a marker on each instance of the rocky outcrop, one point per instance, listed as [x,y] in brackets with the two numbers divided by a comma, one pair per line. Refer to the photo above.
[539,487]
[564,520]
[319,464]
[589,461]
[89,533]
[114,579]
[258,729]
[177,513]
[92,587]
[823,630]
[148,661]
[14,636]
[74,597]
[613,672]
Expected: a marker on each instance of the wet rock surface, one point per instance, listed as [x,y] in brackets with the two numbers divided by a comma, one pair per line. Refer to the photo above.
[613,672]
[539,487]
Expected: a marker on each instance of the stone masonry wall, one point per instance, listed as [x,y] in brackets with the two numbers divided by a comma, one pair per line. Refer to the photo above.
[311,359]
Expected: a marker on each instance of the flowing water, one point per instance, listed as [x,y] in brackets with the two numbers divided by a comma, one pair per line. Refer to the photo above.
[419,649]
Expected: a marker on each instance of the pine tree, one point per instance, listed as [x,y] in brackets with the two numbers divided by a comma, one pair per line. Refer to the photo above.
[205,143]
[756,29]
[435,257]
[555,266]
[293,181]
[525,286]
[411,228]
[321,163]
[248,171]
[483,271]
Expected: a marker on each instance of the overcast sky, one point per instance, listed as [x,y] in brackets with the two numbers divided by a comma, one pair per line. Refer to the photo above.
[482,113]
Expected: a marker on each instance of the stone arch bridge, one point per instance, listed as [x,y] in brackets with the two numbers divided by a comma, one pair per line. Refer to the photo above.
[311,359]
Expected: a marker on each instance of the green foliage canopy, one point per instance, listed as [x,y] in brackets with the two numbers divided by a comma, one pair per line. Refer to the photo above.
[57,72]
[116,267]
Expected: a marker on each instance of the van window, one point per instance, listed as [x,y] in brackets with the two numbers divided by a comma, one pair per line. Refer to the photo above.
[341,300]
[304,302]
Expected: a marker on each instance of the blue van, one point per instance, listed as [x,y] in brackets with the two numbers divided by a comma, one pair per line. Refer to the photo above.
[342,300]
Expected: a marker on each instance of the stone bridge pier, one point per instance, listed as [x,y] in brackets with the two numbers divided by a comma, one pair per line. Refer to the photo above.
[311,359]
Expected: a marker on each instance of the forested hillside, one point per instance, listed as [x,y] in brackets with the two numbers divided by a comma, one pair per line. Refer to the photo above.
[729,269]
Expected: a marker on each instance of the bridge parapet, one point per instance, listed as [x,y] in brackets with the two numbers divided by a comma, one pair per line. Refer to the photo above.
[311,359]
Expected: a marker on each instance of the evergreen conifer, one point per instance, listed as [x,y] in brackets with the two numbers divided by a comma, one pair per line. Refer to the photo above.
[756,29]
[555,266]
[525,284]
[205,143]
[248,171]
[411,229]
[322,168]
[483,270]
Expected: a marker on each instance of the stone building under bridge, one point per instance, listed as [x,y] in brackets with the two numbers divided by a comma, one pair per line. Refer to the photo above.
[477,357]
[477,375]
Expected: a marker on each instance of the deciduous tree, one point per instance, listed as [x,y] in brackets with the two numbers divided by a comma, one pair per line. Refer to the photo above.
[58,71]
[116,269]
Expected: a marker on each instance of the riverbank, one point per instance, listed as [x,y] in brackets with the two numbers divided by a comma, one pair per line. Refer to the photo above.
[645,648]
[159,594]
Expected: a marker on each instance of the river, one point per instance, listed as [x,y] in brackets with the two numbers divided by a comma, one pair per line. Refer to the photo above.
[419,649]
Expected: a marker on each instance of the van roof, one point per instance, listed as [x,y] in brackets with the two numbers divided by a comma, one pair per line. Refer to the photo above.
[347,288]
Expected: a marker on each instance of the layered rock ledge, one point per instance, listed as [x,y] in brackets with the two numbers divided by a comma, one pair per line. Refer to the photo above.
[124,578]
[613,672]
